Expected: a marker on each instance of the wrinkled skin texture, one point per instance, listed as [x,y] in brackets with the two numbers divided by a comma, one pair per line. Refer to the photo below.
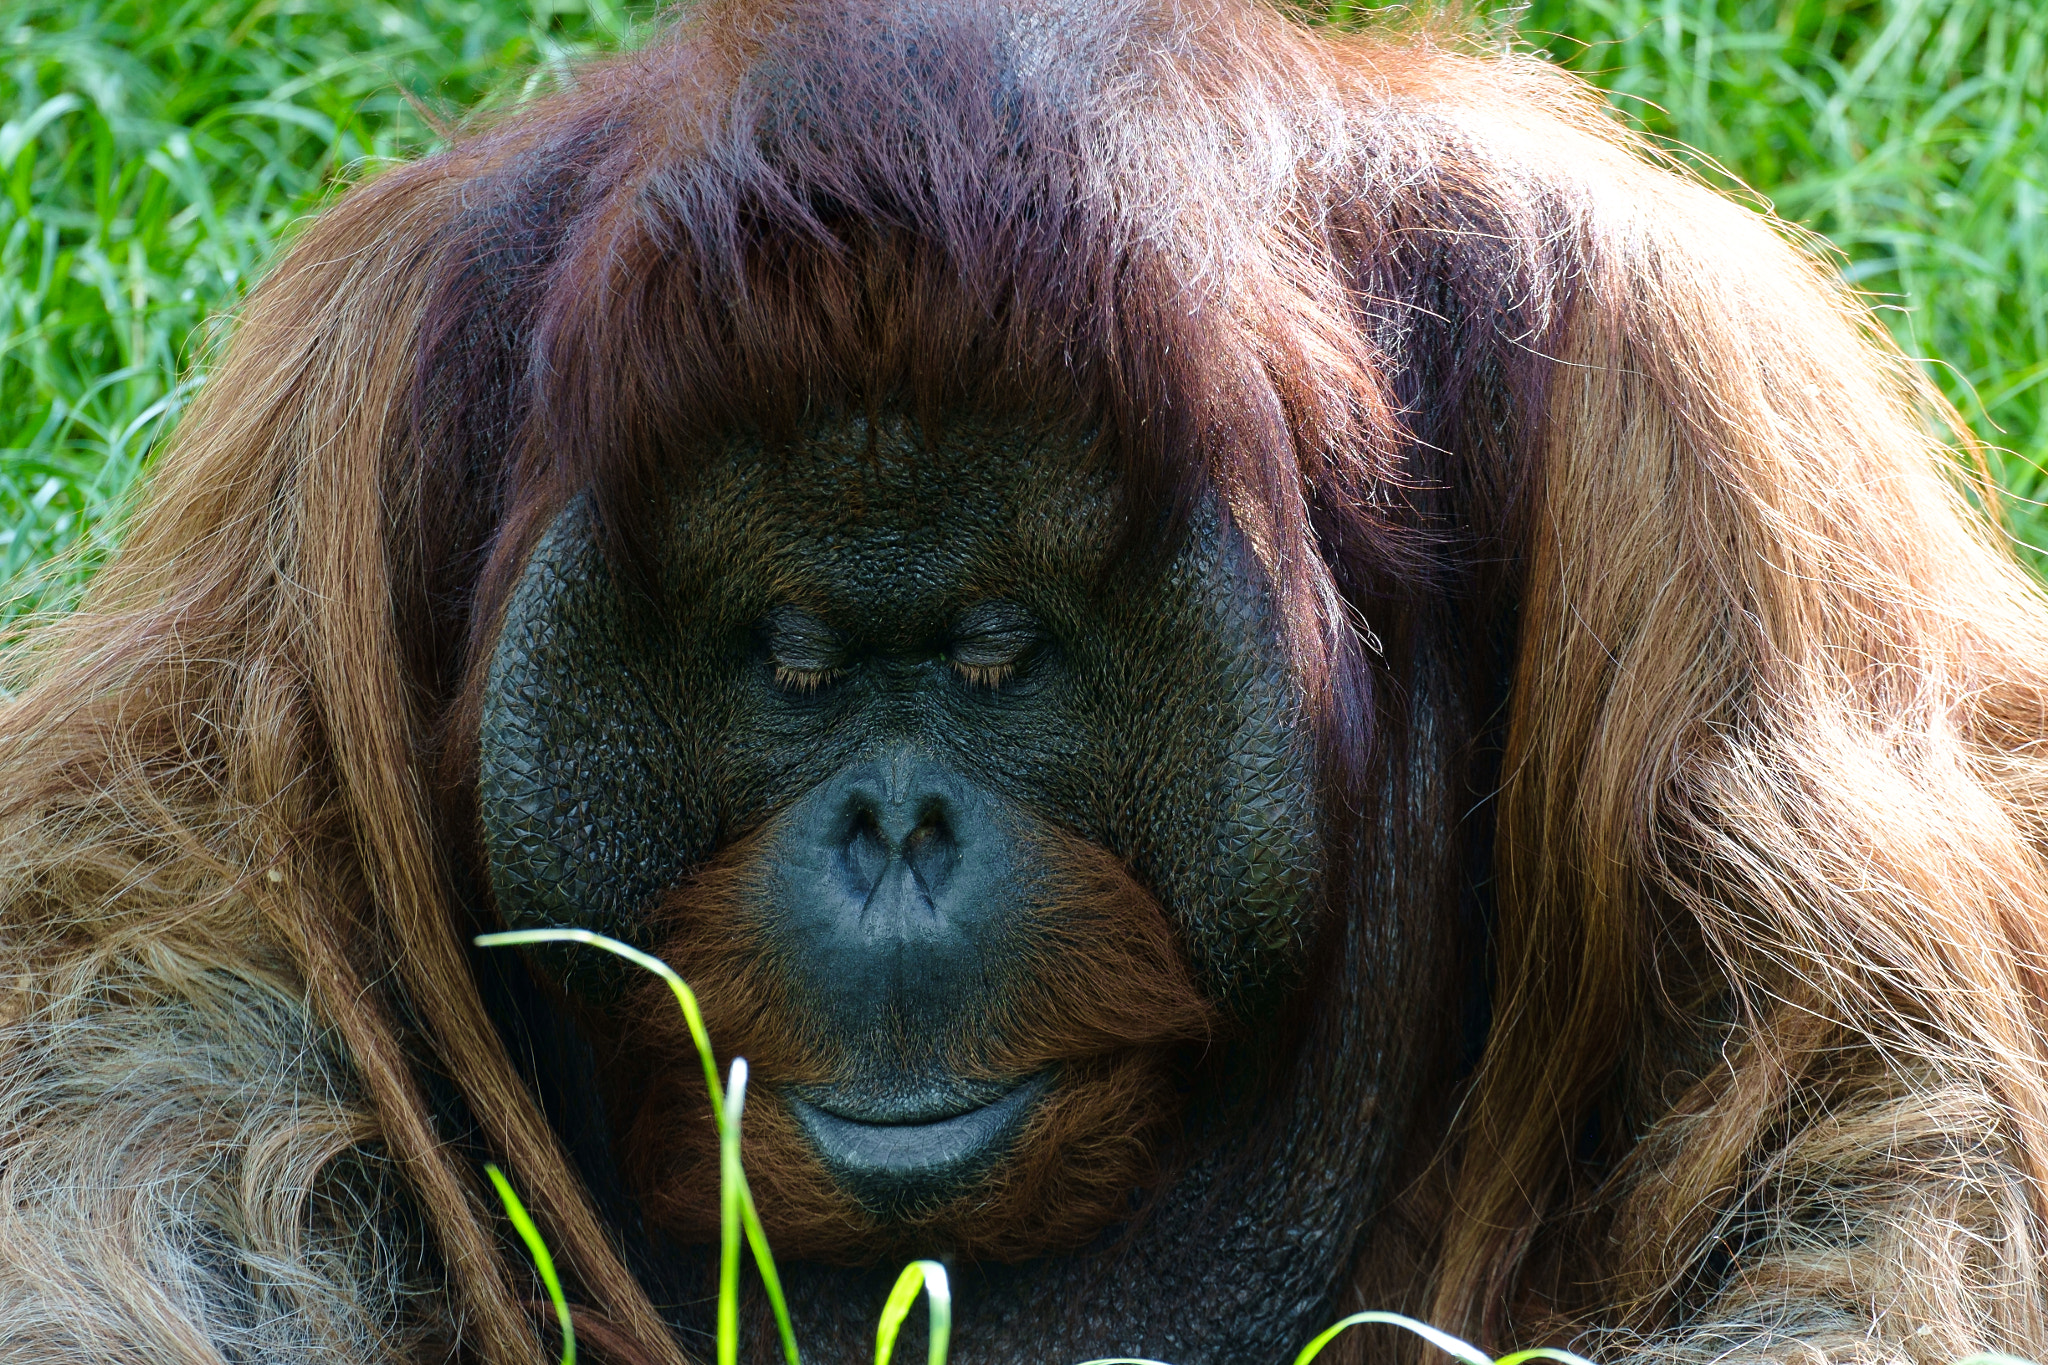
[1150,709]
[1156,719]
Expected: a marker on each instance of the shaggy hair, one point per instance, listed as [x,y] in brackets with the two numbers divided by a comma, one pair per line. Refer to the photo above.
[1764,1076]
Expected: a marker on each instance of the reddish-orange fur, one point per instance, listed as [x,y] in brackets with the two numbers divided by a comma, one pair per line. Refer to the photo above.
[1108,999]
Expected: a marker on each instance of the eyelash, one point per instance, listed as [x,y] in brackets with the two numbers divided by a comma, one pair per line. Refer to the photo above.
[990,676]
[806,679]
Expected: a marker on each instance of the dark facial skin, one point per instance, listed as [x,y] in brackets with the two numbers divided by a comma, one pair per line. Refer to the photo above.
[900,662]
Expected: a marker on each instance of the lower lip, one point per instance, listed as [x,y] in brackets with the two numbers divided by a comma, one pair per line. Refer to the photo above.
[890,1164]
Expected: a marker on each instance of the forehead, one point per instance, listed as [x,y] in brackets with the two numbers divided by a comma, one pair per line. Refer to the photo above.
[890,512]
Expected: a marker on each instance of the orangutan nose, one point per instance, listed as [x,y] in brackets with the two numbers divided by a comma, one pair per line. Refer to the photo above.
[900,853]
[895,894]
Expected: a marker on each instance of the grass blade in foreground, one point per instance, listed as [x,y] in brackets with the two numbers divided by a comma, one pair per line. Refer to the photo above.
[1443,1341]
[731,1180]
[929,1276]
[542,1261]
[735,1198]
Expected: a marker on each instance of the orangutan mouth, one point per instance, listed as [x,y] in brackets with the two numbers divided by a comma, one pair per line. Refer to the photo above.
[900,1167]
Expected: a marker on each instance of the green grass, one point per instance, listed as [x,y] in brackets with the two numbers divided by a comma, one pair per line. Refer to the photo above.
[1912,134]
[152,158]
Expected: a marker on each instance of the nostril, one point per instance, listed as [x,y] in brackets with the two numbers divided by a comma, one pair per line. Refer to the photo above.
[930,852]
[866,854]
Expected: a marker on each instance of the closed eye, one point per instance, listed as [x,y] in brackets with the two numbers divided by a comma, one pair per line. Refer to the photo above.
[990,641]
[807,654]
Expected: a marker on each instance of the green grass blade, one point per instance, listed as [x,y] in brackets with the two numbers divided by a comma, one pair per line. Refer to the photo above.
[1444,1341]
[757,1238]
[729,1186]
[542,1261]
[1558,1354]
[929,1276]
[685,997]
[736,1199]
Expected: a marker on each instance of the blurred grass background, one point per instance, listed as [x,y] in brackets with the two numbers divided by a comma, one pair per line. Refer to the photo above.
[153,155]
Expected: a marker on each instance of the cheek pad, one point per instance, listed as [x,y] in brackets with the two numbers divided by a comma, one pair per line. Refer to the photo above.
[588,800]
[1212,766]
